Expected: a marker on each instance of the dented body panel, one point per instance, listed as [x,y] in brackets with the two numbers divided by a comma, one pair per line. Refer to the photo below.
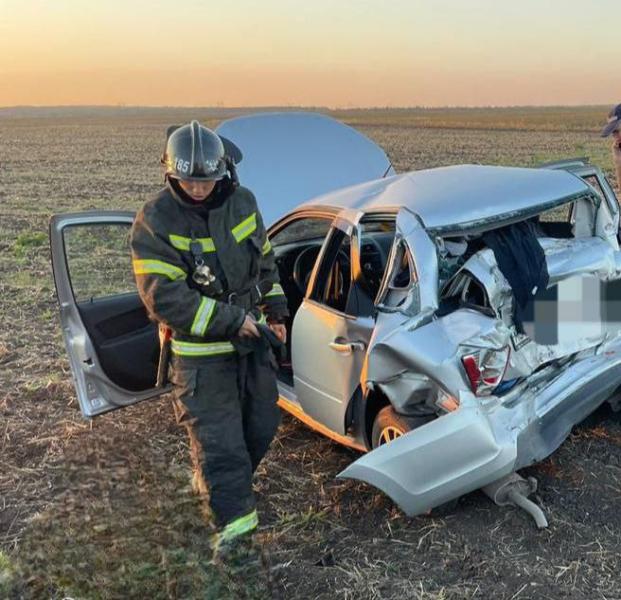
[417,358]
[482,442]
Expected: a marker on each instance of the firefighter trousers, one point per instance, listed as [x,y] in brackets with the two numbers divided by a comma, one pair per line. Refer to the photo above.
[228,406]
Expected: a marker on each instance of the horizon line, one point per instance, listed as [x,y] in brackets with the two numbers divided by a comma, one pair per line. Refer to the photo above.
[295,106]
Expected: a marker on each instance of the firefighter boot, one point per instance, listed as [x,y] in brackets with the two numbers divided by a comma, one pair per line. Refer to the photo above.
[234,543]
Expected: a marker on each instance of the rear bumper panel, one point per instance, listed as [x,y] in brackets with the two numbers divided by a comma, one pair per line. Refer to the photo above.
[474,446]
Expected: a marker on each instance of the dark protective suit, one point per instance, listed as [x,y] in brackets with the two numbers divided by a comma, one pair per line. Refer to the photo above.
[225,387]
[616,161]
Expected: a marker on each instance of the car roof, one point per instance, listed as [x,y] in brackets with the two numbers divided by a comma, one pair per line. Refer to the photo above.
[461,194]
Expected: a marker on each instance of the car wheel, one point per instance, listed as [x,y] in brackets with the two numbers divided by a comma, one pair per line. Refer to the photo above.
[388,426]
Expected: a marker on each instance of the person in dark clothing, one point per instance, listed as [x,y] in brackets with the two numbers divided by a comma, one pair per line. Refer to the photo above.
[205,271]
[613,127]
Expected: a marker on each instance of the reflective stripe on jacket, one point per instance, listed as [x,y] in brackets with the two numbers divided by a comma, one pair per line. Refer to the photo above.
[235,248]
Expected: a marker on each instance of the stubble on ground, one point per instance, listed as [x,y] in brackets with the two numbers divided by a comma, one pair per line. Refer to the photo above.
[103,509]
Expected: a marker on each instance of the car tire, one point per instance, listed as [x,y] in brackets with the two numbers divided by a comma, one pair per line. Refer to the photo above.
[389,425]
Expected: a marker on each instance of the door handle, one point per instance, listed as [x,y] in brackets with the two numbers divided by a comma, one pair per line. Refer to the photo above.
[347,347]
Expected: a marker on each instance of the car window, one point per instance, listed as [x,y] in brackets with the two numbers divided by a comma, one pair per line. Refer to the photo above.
[98,260]
[594,181]
[556,222]
[376,238]
[333,280]
[401,277]
[558,214]
[308,228]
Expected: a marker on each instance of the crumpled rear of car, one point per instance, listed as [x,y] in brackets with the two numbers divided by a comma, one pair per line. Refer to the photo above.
[504,399]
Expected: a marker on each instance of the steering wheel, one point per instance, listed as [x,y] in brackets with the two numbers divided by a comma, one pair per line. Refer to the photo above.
[303,266]
[305,261]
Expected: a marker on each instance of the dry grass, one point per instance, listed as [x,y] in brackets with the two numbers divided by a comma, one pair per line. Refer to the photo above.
[103,509]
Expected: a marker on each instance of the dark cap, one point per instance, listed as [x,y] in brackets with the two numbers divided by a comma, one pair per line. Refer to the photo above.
[614,121]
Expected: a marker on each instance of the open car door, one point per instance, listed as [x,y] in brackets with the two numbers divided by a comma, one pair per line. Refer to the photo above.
[291,157]
[113,347]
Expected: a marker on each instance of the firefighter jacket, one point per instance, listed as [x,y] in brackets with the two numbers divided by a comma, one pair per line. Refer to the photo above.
[170,235]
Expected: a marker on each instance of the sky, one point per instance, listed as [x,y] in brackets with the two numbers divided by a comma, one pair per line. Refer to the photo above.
[347,53]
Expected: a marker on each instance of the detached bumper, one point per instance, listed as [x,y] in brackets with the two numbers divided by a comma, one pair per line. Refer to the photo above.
[468,449]
[449,457]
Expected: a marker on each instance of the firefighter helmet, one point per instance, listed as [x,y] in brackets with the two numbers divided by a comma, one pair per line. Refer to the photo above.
[194,152]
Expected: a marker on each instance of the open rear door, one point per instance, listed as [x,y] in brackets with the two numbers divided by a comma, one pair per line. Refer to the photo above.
[291,157]
[113,347]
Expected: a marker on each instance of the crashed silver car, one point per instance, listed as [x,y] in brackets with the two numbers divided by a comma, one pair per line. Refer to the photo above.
[402,337]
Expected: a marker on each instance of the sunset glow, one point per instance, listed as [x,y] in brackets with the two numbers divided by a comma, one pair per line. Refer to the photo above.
[277,52]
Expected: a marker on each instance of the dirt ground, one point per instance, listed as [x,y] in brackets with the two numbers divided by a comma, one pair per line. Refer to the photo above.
[103,509]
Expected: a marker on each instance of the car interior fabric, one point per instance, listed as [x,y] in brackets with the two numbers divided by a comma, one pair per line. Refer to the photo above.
[125,340]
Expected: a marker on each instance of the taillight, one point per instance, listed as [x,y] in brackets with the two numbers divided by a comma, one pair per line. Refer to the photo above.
[485,368]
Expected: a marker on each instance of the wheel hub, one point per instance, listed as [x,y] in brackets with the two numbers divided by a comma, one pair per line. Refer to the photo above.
[388,434]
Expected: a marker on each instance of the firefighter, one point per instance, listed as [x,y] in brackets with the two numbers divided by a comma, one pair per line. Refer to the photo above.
[613,127]
[205,270]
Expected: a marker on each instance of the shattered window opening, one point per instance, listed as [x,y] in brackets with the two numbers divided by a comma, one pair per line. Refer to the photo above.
[404,275]
[402,282]
[375,242]
[333,280]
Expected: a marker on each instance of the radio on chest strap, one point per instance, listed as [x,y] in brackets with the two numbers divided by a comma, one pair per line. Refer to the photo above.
[202,274]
